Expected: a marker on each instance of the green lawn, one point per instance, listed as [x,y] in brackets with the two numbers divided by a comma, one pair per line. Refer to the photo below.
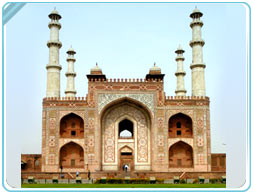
[123,185]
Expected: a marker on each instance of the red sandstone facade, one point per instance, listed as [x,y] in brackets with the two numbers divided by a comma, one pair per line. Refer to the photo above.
[171,134]
[125,122]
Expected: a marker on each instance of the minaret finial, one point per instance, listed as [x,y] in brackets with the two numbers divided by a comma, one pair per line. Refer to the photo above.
[154,64]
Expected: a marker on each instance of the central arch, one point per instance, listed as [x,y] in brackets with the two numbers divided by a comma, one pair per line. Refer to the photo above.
[137,121]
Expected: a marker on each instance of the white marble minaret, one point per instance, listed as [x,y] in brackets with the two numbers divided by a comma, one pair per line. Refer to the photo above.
[197,66]
[180,91]
[54,67]
[70,74]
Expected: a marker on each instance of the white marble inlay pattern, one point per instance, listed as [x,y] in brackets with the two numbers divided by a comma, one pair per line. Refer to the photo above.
[104,99]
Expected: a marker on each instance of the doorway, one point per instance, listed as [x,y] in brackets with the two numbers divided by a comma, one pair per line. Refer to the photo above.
[126,158]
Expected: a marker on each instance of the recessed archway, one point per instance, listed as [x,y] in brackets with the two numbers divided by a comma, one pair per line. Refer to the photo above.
[71,126]
[132,118]
[71,156]
[180,155]
[180,125]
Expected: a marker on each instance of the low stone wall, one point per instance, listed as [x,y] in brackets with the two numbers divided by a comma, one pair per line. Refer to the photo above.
[108,174]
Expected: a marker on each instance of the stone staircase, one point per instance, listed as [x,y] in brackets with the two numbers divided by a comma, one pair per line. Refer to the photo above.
[125,174]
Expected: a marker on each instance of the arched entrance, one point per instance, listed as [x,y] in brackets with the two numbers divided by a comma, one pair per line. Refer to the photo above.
[180,125]
[126,158]
[180,155]
[71,156]
[71,126]
[126,124]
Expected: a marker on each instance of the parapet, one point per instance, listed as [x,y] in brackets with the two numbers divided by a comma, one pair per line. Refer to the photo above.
[187,98]
[82,99]
[125,80]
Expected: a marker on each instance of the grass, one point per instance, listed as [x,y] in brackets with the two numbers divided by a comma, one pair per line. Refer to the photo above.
[123,185]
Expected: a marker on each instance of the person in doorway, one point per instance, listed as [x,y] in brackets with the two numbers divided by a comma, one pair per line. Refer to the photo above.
[126,168]
[62,176]
[89,174]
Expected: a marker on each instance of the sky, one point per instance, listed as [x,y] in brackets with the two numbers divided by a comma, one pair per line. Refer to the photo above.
[125,39]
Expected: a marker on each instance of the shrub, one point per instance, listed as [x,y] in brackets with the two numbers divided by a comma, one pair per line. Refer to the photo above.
[160,181]
[125,181]
[213,181]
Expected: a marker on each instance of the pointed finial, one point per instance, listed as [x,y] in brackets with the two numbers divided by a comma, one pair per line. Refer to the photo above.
[154,64]
[96,64]
[54,8]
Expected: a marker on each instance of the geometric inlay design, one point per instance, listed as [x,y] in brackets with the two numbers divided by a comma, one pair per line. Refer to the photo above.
[104,99]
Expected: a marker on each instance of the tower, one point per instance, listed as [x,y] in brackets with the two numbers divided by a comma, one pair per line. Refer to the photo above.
[197,66]
[180,91]
[53,67]
[70,74]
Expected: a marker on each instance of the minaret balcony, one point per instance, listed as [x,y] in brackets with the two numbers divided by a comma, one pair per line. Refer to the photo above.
[180,91]
[71,59]
[196,14]
[54,23]
[195,42]
[70,91]
[70,74]
[180,73]
[53,66]
[193,65]
[196,22]
[178,58]
[54,43]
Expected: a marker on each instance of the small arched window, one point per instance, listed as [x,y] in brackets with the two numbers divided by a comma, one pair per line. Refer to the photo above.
[178,124]
[37,163]
[126,129]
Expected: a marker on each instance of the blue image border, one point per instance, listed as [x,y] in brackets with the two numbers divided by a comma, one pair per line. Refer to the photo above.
[5,19]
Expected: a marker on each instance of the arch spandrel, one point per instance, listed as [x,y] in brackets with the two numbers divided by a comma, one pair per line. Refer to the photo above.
[171,113]
[106,100]
[126,149]
[173,141]
[63,142]
[65,113]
